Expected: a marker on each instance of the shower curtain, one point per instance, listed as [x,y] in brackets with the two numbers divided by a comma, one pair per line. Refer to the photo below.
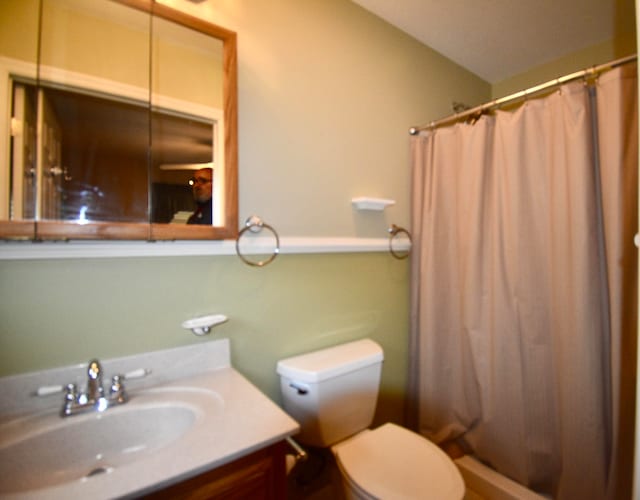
[523,293]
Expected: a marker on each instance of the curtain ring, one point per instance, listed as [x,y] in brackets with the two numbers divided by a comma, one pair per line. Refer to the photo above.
[255,224]
[558,85]
[393,232]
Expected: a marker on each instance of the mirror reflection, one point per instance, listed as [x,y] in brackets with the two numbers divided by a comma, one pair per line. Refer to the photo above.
[18,55]
[187,124]
[119,120]
[87,171]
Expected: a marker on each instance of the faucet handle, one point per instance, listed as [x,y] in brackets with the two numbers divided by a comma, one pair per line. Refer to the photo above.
[133,374]
[117,391]
[47,390]
[116,380]
[116,383]
[71,392]
[71,397]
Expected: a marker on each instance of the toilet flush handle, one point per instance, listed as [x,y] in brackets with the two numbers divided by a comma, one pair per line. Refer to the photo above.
[302,390]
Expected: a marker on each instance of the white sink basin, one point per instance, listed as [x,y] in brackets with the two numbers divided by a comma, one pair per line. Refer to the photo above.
[46,450]
[82,446]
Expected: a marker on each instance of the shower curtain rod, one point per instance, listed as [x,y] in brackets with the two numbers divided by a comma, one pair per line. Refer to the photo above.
[523,94]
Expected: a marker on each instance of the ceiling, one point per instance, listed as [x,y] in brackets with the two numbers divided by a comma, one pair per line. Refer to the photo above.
[497,39]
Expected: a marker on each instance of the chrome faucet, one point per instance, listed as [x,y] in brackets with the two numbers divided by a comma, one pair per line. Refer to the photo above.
[94,399]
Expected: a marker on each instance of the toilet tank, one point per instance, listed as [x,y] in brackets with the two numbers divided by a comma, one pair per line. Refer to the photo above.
[332,393]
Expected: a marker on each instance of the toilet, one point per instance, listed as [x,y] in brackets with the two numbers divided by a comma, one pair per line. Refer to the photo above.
[332,393]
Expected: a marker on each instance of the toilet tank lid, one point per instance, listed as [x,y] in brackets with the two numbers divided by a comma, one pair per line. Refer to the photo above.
[331,362]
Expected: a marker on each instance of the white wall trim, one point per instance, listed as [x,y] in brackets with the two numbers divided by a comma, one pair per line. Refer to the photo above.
[29,250]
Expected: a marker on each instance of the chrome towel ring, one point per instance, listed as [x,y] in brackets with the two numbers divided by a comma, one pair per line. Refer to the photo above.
[255,224]
[393,233]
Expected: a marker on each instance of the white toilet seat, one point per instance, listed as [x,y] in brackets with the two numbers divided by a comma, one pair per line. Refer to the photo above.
[392,462]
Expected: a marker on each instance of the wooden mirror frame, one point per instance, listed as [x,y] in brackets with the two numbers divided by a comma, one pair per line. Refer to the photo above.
[62,230]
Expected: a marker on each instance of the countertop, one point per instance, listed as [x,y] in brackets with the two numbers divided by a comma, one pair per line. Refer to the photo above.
[236,420]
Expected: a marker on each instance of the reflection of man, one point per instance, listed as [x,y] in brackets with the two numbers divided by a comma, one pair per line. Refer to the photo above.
[202,191]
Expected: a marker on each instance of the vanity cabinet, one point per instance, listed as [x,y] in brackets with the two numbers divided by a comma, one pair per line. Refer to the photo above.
[260,476]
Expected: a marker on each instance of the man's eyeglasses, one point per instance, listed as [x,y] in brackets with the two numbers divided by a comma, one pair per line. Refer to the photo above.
[198,180]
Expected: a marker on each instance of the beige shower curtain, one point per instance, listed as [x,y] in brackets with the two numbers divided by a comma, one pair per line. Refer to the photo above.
[523,288]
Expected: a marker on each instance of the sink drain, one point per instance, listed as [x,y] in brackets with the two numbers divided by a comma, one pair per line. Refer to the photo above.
[98,471]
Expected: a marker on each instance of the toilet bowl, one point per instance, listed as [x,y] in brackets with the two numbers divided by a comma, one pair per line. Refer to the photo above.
[332,393]
[393,462]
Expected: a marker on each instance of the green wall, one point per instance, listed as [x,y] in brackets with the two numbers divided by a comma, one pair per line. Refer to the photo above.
[327,93]
[60,312]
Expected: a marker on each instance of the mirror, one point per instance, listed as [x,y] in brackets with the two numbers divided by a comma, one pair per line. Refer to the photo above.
[122,122]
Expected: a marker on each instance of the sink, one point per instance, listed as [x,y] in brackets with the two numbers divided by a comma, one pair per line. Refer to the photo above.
[194,413]
[47,450]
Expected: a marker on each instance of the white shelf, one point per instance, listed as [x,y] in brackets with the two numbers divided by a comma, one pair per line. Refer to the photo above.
[366,203]
[26,250]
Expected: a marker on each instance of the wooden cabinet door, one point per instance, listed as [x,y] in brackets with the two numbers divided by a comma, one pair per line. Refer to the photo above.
[259,476]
